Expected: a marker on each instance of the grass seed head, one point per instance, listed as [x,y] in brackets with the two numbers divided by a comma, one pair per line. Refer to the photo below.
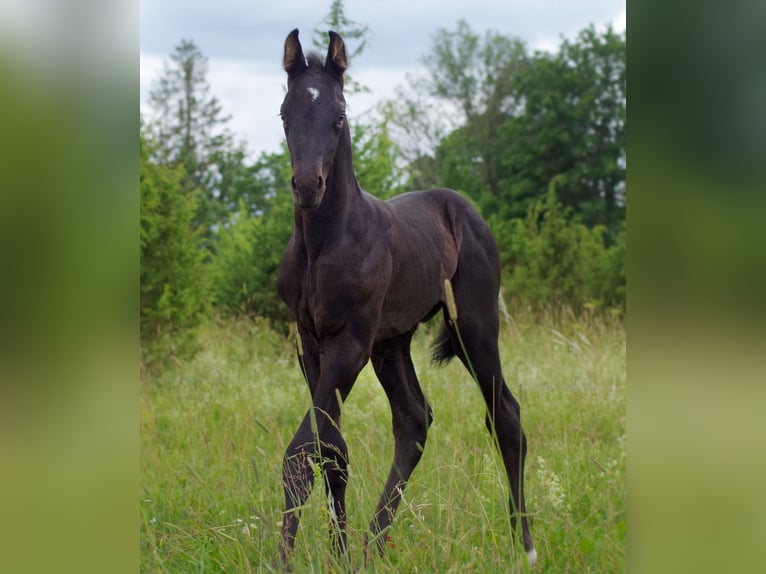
[450,296]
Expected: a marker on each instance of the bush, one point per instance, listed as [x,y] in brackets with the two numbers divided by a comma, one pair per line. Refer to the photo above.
[173,290]
[549,258]
[245,269]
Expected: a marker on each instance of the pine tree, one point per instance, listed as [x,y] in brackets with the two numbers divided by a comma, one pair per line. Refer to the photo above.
[354,35]
[173,293]
[191,130]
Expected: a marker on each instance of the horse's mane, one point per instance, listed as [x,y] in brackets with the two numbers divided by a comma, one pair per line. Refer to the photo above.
[314,61]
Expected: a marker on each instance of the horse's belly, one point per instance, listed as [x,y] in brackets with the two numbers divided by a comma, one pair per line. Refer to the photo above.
[407,304]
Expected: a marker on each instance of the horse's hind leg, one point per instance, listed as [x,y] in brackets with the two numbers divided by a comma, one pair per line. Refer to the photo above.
[411,417]
[477,347]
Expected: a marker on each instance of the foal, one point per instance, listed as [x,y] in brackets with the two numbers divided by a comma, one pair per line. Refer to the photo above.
[359,275]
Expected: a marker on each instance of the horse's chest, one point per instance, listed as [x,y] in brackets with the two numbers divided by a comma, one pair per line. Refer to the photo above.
[323,297]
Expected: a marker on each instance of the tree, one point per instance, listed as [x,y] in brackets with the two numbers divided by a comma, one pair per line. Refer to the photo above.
[521,121]
[173,293]
[376,156]
[250,245]
[475,74]
[471,80]
[351,31]
[550,258]
[572,125]
[191,131]
[245,268]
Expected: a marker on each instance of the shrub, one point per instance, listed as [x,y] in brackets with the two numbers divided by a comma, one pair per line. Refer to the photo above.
[550,258]
[245,269]
[173,289]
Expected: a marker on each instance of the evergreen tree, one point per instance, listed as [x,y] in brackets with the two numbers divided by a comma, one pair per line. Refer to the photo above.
[191,130]
[550,258]
[354,35]
[249,247]
[172,289]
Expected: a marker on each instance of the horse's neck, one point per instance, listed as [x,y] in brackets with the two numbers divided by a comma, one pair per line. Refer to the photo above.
[342,200]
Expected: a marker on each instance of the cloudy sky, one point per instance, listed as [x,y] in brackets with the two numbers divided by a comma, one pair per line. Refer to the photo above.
[243,41]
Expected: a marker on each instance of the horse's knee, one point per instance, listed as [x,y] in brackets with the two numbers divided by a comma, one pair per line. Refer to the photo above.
[296,460]
[421,420]
[333,456]
[335,461]
[515,406]
[297,477]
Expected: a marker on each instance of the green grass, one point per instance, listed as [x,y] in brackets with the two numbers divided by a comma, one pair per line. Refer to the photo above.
[213,431]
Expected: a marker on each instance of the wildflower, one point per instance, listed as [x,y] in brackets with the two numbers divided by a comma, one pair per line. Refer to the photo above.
[554,494]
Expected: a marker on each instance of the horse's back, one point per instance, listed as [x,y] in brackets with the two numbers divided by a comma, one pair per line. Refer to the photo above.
[433,234]
[445,210]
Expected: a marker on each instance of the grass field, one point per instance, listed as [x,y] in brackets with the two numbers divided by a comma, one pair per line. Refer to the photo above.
[214,429]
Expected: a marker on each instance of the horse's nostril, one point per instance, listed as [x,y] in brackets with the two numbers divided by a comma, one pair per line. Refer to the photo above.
[320,182]
[292,183]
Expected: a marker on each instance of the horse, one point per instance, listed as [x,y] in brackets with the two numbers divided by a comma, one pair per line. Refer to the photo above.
[359,275]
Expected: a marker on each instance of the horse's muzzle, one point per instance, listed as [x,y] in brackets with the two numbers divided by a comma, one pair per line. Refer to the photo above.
[308,195]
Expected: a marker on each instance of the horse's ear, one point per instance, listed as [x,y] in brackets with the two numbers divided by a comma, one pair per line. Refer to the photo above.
[336,61]
[293,61]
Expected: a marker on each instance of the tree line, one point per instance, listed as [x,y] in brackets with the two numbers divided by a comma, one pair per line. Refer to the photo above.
[536,140]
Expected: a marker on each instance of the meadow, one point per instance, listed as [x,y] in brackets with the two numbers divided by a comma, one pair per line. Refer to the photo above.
[214,429]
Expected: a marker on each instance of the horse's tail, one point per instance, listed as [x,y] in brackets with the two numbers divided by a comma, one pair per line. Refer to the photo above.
[443,348]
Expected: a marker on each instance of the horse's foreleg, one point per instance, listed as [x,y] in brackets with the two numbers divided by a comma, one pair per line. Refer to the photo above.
[297,470]
[297,481]
[335,476]
[323,444]
[411,416]
[319,440]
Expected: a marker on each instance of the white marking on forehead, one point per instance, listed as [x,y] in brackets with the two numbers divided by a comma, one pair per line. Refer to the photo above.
[314,93]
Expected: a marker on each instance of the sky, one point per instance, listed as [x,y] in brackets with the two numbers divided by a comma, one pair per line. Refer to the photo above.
[243,42]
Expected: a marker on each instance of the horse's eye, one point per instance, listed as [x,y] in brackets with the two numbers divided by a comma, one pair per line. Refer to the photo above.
[341,120]
[284,120]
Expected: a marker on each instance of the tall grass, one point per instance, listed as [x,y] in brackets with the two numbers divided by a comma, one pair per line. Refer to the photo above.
[214,430]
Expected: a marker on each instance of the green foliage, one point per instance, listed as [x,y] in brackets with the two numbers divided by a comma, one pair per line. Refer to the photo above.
[191,131]
[540,149]
[173,288]
[375,157]
[244,270]
[550,258]
[458,160]
[471,78]
[524,120]
[250,245]
[475,73]
[571,125]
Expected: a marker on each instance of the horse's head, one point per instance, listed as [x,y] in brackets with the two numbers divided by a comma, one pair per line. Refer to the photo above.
[314,116]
